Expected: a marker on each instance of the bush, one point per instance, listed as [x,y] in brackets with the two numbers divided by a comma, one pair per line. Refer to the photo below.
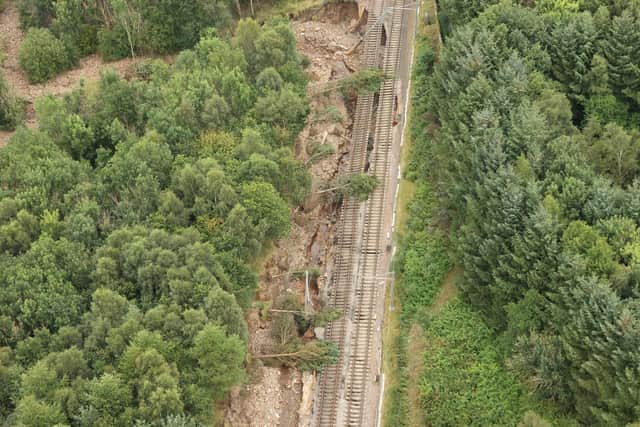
[11,108]
[113,44]
[42,55]
[35,13]
[72,28]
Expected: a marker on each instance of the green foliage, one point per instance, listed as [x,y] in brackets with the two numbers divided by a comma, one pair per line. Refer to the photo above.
[462,382]
[320,151]
[220,360]
[361,82]
[267,211]
[573,44]
[11,108]
[120,28]
[358,186]
[112,43]
[329,114]
[42,55]
[72,27]
[531,419]
[108,399]
[129,223]
[421,280]
[622,57]
[613,151]
[457,12]
[281,107]
[33,413]
[558,9]
[591,314]
[580,239]
[312,356]
[172,25]
[322,318]
[526,133]
[35,13]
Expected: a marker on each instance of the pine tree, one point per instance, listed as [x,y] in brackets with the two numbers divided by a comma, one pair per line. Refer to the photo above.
[601,338]
[496,212]
[533,263]
[528,134]
[623,55]
[572,44]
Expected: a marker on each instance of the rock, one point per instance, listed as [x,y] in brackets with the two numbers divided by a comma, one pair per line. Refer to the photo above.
[253,320]
[234,392]
[283,263]
[319,332]
[306,404]
[312,202]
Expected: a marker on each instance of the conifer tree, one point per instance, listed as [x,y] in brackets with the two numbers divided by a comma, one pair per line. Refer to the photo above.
[623,55]
[572,46]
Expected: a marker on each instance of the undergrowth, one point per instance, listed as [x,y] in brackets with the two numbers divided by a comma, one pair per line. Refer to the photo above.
[463,380]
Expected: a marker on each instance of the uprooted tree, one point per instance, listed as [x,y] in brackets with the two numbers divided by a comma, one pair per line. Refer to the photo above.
[312,356]
[361,82]
[358,186]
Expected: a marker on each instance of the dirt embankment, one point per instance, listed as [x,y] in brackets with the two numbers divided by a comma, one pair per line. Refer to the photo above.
[11,36]
[277,396]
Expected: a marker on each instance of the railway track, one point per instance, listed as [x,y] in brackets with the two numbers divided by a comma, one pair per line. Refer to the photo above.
[342,393]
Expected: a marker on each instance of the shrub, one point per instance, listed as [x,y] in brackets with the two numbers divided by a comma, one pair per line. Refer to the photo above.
[35,13]
[463,381]
[72,28]
[42,55]
[11,108]
[113,44]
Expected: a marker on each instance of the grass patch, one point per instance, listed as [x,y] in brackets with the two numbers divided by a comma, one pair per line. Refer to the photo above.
[431,31]
[463,382]
[390,353]
[407,189]
[416,347]
[447,292]
[402,345]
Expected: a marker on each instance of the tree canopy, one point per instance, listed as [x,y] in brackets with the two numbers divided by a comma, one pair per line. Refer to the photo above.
[527,133]
[130,218]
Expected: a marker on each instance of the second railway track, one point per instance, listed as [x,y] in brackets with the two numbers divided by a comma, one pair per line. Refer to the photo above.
[355,286]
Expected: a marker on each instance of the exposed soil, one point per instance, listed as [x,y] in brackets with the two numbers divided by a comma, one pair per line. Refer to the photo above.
[277,396]
[11,36]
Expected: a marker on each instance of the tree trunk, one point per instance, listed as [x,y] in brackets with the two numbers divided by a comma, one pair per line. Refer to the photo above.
[133,53]
[331,189]
[275,356]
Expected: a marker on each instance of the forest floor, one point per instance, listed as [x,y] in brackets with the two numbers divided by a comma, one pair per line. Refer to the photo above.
[11,36]
[276,396]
